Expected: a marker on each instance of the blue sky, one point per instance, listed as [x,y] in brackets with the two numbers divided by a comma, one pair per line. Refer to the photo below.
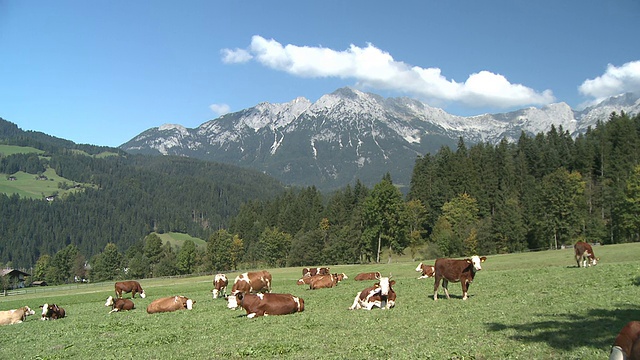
[101,72]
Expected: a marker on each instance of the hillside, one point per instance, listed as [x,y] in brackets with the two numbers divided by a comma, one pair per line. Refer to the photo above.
[120,198]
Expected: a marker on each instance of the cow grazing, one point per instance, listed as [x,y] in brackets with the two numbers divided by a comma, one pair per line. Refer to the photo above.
[583,253]
[171,303]
[267,304]
[220,283]
[426,271]
[249,282]
[52,312]
[129,286]
[326,281]
[627,343]
[315,271]
[15,316]
[119,304]
[381,295]
[368,276]
[462,271]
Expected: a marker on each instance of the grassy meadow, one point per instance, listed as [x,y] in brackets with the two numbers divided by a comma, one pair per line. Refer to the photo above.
[535,305]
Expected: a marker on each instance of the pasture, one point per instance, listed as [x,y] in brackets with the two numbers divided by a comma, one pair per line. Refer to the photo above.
[522,306]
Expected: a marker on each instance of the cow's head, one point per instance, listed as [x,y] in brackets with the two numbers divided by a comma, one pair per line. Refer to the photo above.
[142,294]
[109,301]
[233,300]
[28,310]
[45,311]
[214,293]
[419,268]
[594,261]
[385,285]
[476,260]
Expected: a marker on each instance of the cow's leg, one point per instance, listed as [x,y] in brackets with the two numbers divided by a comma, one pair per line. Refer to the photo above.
[445,284]
[578,260]
[465,289]
[113,310]
[356,302]
[436,284]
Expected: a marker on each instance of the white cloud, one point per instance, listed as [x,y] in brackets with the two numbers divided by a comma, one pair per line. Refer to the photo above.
[375,68]
[614,81]
[235,56]
[220,109]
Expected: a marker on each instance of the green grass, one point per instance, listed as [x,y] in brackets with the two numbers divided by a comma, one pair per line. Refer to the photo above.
[177,239]
[27,186]
[7,150]
[523,306]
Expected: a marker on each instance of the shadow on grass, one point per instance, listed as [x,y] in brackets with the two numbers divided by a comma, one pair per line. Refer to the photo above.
[597,328]
[636,281]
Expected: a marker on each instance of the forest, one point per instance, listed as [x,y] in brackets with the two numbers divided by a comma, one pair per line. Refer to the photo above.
[541,192]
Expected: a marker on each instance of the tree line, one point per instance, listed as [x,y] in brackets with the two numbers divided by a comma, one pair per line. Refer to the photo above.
[540,192]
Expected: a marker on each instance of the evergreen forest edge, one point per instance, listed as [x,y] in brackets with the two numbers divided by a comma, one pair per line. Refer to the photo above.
[541,192]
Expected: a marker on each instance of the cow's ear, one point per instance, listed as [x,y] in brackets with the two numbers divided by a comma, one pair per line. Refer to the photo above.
[392,282]
[482,259]
[41,306]
[469,261]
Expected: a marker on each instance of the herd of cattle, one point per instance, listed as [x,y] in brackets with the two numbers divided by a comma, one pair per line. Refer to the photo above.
[251,291]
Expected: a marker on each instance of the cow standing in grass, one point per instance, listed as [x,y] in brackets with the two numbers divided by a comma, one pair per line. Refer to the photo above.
[462,271]
[627,343]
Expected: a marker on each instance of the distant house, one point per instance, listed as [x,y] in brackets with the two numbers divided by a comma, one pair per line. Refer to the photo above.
[39,283]
[15,278]
[50,198]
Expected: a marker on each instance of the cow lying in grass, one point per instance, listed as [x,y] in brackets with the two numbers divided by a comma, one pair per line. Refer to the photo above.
[267,304]
[171,303]
[52,312]
[380,295]
[119,304]
[15,316]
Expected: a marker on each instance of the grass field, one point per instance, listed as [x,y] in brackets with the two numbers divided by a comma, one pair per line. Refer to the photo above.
[177,240]
[523,306]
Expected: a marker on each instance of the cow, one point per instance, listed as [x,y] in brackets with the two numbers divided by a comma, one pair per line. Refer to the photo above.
[15,316]
[381,295]
[220,283]
[171,303]
[315,271]
[627,343]
[326,281]
[249,282]
[129,286]
[268,304]
[52,312]
[368,276]
[427,271]
[307,279]
[583,252]
[462,271]
[119,304]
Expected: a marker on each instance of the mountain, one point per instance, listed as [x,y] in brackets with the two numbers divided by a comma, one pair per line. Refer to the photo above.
[349,135]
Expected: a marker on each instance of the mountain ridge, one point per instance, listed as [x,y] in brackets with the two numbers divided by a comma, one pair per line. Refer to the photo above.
[349,134]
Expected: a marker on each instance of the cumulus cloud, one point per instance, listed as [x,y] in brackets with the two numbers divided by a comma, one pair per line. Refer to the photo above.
[375,68]
[235,56]
[220,109]
[614,81]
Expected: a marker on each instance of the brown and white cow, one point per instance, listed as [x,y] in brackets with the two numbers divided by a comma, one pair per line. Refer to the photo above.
[52,312]
[627,343]
[268,304]
[583,253]
[426,271]
[462,271]
[381,295]
[307,279]
[326,281]
[249,282]
[220,283]
[131,286]
[171,303]
[368,276]
[119,304]
[15,316]
[315,271]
